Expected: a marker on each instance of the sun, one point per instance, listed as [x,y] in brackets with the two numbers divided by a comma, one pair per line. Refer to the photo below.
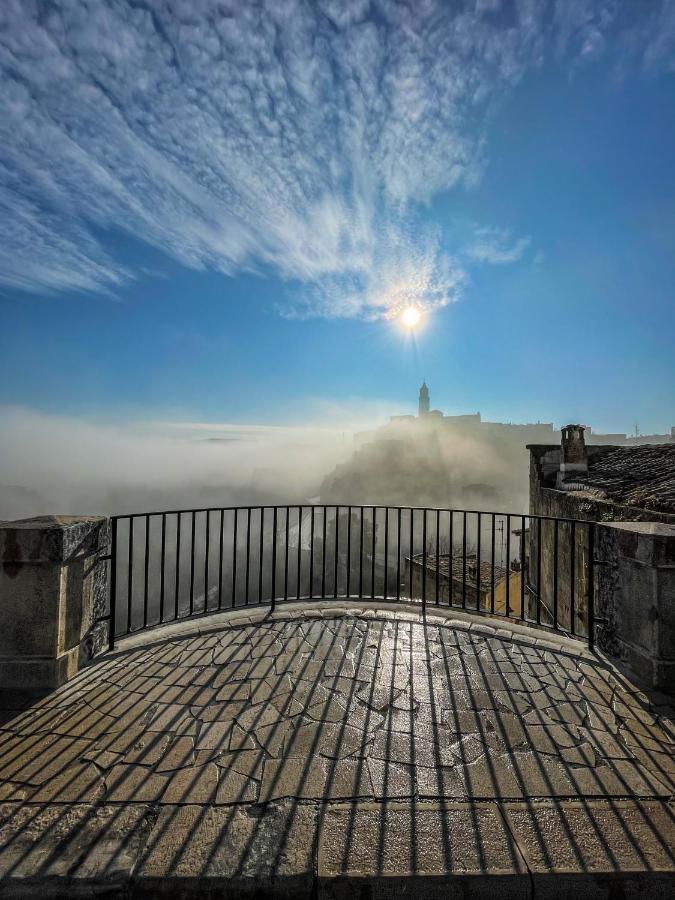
[410,317]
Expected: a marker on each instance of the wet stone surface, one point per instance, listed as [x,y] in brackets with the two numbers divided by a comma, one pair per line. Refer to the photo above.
[288,753]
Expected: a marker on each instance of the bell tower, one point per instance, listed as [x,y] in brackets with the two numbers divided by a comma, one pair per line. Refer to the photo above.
[423,407]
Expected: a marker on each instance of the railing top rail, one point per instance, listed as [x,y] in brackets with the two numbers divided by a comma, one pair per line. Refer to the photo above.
[353,506]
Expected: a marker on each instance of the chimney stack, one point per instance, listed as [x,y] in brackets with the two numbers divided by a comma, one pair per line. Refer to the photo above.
[573,450]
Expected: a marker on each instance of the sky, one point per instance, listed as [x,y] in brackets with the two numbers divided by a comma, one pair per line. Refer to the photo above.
[217,211]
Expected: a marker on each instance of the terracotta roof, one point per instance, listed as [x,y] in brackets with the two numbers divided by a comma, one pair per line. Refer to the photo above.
[642,476]
[458,569]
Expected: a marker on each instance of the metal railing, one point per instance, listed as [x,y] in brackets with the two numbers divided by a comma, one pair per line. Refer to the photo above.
[171,565]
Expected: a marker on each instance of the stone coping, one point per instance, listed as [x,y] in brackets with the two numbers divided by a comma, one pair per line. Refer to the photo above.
[476,622]
[52,539]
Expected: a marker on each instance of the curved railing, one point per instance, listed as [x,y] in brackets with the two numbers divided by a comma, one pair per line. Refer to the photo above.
[176,564]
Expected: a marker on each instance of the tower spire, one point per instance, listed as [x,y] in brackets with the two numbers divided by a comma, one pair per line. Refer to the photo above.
[423,407]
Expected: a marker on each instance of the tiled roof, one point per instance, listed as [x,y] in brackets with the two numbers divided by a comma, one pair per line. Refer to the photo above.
[458,569]
[642,476]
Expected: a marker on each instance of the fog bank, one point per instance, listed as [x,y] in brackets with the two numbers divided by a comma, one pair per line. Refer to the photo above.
[55,464]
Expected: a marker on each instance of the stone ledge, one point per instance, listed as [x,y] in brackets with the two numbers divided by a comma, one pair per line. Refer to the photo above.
[563,849]
[478,623]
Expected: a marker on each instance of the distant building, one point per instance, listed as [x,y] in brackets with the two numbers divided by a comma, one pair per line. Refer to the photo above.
[423,406]
[433,459]
[602,482]
[461,580]
[596,483]
[523,432]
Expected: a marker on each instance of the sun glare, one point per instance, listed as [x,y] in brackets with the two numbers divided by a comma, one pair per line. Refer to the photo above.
[410,317]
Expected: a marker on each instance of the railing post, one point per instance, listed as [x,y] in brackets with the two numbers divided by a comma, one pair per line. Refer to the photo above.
[274,555]
[113,585]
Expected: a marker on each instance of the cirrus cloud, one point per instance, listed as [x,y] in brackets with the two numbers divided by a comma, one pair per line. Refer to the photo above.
[299,137]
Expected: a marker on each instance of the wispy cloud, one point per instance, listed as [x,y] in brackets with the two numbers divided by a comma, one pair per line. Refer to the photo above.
[304,137]
[496,246]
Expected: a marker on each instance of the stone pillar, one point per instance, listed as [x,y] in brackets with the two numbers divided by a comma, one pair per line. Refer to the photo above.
[636,594]
[52,591]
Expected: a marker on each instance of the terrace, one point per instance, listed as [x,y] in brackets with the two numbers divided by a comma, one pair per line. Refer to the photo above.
[279,709]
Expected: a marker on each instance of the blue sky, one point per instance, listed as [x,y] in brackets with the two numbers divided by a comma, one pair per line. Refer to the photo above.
[213,217]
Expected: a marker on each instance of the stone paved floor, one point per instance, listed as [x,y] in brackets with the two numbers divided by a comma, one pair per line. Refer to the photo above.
[322,750]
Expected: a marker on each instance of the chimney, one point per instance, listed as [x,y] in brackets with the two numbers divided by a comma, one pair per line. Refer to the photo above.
[573,456]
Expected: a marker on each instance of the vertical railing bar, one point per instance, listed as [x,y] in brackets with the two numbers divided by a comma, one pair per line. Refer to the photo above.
[260,554]
[323,563]
[492,574]
[299,552]
[311,552]
[220,560]
[287,532]
[385,585]
[424,558]
[235,554]
[337,551]
[539,585]
[248,554]
[508,565]
[273,587]
[438,554]
[555,574]
[372,561]
[591,585]
[572,578]
[451,561]
[192,563]
[398,554]
[361,554]
[412,544]
[349,549]
[479,578]
[130,585]
[113,585]
[522,568]
[206,560]
[162,558]
[464,560]
[177,573]
[146,565]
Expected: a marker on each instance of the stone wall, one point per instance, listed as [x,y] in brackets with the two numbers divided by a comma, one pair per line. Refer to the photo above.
[52,592]
[636,595]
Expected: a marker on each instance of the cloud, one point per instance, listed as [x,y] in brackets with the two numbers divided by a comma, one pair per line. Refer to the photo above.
[496,246]
[302,137]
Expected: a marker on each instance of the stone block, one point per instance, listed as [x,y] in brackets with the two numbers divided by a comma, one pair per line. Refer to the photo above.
[53,850]
[422,850]
[599,848]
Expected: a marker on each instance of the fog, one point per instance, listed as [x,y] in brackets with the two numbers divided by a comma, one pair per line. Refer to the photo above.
[53,464]
[58,465]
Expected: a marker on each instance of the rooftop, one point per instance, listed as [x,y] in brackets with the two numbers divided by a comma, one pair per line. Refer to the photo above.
[329,748]
[460,568]
[642,476]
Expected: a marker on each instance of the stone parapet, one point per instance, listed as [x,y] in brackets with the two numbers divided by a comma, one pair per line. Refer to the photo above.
[52,592]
